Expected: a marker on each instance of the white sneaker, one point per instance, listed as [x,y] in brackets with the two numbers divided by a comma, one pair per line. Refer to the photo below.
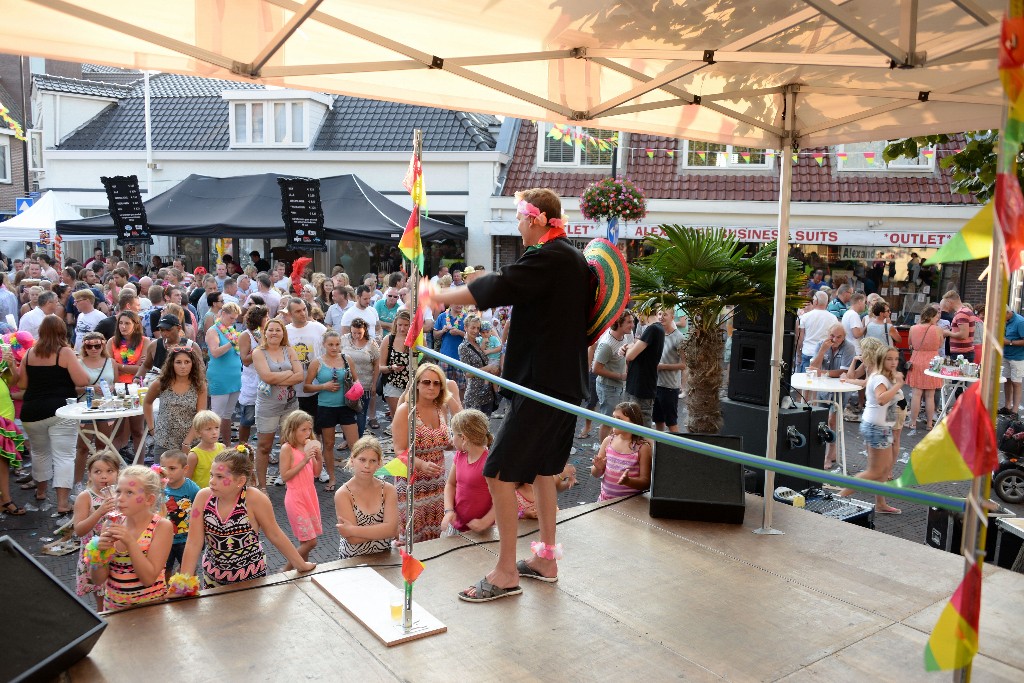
[324,477]
[279,481]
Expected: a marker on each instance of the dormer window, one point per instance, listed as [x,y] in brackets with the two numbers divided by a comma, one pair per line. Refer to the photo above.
[274,117]
[266,124]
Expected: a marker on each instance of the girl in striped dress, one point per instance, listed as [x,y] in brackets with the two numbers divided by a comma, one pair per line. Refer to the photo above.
[624,459]
[140,539]
[227,517]
[364,532]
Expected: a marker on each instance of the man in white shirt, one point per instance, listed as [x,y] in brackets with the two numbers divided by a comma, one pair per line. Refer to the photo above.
[45,305]
[362,310]
[282,281]
[88,316]
[813,329]
[306,337]
[230,291]
[852,321]
[272,298]
[335,312]
[441,272]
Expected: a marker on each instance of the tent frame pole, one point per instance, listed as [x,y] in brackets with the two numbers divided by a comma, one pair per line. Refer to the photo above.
[779,305]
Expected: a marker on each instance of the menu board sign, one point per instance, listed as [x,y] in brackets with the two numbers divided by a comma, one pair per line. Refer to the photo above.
[126,208]
[303,214]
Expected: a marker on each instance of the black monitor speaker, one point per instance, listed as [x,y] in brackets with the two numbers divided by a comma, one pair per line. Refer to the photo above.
[686,484]
[750,366]
[798,442]
[53,630]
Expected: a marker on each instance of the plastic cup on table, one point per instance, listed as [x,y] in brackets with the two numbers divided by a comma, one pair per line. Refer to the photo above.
[397,602]
[812,375]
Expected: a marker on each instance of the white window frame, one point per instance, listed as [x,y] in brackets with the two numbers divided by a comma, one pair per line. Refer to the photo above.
[577,154]
[35,146]
[268,124]
[731,163]
[881,165]
[5,168]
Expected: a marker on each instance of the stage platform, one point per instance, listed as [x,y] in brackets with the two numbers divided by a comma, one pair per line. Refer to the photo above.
[638,598]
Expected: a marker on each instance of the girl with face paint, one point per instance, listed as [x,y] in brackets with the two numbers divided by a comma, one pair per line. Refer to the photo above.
[140,539]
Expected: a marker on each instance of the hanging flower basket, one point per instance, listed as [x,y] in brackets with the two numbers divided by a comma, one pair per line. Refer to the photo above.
[613,198]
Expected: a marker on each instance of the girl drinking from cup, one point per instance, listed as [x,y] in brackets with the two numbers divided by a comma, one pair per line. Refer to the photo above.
[133,573]
[301,460]
[91,509]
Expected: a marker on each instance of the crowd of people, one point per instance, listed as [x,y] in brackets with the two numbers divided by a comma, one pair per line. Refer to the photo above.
[295,356]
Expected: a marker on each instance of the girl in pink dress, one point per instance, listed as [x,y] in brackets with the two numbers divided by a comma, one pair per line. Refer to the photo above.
[624,459]
[301,461]
[467,501]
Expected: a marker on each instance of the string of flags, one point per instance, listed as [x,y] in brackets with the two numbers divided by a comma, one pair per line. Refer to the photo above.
[571,135]
[19,133]
[748,153]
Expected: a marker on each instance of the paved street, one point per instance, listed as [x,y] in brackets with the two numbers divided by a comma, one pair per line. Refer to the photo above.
[34,529]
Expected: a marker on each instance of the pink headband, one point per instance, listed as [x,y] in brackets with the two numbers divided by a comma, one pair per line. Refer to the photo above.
[527,209]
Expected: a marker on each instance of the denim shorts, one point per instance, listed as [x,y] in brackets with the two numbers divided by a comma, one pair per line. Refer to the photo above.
[876,436]
[609,396]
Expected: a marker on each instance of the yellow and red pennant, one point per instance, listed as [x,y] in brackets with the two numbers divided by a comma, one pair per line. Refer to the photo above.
[954,640]
[962,446]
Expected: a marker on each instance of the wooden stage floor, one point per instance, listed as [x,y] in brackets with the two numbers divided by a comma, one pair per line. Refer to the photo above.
[639,598]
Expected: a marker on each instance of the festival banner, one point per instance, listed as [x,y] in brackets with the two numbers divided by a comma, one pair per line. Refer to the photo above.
[303,213]
[124,200]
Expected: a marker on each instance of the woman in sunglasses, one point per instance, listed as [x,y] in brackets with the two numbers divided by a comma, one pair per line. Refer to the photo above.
[326,375]
[100,366]
[432,439]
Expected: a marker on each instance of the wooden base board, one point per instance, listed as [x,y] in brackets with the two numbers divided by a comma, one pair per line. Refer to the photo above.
[636,598]
[366,595]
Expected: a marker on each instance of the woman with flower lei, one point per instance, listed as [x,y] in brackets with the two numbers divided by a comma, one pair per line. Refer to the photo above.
[127,347]
[224,373]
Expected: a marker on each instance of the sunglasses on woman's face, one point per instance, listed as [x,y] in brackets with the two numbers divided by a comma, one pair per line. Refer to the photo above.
[430,382]
[92,347]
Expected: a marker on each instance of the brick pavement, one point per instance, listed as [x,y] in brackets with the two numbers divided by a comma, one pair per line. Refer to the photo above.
[34,529]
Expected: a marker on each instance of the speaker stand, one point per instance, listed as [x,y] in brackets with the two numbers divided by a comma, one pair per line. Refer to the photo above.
[768,531]
[766,511]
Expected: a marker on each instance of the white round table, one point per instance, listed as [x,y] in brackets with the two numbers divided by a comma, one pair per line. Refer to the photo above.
[801,381]
[82,414]
[951,383]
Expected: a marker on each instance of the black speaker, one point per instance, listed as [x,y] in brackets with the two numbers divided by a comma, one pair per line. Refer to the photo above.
[762,321]
[750,366]
[751,423]
[53,629]
[686,484]
[945,531]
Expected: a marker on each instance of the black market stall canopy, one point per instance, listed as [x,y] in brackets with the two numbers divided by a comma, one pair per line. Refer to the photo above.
[249,207]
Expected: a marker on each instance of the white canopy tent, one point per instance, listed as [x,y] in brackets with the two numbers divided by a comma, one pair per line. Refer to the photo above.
[42,215]
[775,74]
[710,70]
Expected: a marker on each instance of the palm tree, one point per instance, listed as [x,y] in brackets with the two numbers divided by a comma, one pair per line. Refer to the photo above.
[703,272]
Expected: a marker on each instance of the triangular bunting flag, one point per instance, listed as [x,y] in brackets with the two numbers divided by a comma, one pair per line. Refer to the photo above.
[870,158]
[841,156]
[703,156]
[960,447]
[745,156]
[974,240]
[411,567]
[796,157]
[954,640]
[670,153]
[928,153]
[819,157]
[650,153]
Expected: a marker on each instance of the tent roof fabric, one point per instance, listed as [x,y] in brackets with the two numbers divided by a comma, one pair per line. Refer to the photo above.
[662,177]
[709,70]
[250,207]
[352,124]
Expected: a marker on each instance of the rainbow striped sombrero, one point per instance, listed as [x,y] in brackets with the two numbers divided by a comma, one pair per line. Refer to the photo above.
[610,279]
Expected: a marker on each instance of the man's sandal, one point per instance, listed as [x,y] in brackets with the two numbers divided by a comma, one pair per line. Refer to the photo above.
[485,591]
[529,572]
